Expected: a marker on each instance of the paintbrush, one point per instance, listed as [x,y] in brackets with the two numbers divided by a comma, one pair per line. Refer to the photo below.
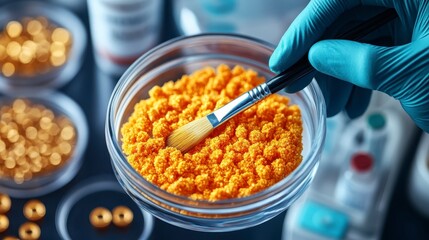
[189,135]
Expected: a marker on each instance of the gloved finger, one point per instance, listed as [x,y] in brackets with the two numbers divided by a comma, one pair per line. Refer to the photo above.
[335,92]
[346,60]
[358,102]
[305,30]
[372,67]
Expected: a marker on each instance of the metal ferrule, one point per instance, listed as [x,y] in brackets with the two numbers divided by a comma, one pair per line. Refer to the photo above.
[239,104]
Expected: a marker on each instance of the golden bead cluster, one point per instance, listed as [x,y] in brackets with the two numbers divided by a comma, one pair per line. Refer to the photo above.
[33,46]
[101,217]
[34,210]
[33,140]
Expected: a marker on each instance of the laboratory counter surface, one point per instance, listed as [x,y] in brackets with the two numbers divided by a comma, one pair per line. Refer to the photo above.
[91,89]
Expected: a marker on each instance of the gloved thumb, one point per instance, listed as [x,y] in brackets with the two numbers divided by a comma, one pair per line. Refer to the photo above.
[399,71]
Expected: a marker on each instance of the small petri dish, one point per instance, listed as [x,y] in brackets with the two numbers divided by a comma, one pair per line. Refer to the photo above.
[58,149]
[182,56]
[41,46]
[72,216]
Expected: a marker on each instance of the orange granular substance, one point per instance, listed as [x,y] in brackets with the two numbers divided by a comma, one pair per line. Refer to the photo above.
[249,153]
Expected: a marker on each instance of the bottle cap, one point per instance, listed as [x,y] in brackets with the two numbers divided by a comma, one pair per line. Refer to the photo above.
[361,162]
[219,6]
[376,121]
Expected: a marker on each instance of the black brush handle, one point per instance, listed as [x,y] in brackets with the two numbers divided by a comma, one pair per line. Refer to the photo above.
[303,67]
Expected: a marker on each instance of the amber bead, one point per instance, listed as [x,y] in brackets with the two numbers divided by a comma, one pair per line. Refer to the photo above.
[5,203]
[29,231]
[100,217]
[4,223]
[122,216]
[34,210]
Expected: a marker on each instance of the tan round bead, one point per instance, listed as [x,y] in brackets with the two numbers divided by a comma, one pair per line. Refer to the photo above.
[34,210]
[26,56]
[31,133]
[13,135]
[4,223]
[34,27]
[29,231]
[13,49]
[10,238]
[122,216]
[67,133]
[100,217]
[19,106]
[19,177]
[5,203]
[61,35]
[8,69]
[57,48]
[9,163]
[2,146]
[55,159]
[14,29]
[65,147]
[58,59]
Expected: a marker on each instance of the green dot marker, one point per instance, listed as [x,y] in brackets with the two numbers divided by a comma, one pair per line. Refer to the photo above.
[376,121]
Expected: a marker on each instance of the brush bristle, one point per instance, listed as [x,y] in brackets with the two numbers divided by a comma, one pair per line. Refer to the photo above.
[189,135]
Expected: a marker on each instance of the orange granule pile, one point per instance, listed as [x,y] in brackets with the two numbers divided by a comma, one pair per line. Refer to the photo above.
[245,155]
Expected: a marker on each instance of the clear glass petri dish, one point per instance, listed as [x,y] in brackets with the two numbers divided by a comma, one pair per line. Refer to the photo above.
[60,17]
[170,61]
[99,191]
[41,184]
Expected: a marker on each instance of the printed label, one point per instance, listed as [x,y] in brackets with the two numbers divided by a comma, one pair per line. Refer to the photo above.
[122,29]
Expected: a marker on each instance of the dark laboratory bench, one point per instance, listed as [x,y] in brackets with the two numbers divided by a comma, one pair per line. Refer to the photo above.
[91,90]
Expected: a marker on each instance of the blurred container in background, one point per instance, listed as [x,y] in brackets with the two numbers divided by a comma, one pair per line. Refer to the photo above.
[78,6]
[45,46]
[263,19]
[418,189]
[122,30]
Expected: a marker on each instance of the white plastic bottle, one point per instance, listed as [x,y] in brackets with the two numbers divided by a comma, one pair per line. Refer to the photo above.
[122,30]
[357,185]
[376,133]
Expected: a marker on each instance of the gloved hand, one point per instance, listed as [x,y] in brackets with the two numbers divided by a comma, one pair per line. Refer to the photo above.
[401,71]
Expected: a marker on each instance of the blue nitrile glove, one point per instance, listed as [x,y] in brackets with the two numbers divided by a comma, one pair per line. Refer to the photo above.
[401,71]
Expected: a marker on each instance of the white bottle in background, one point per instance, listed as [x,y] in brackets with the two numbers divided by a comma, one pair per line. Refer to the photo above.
[122,30]
[375,134]
[356,187]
